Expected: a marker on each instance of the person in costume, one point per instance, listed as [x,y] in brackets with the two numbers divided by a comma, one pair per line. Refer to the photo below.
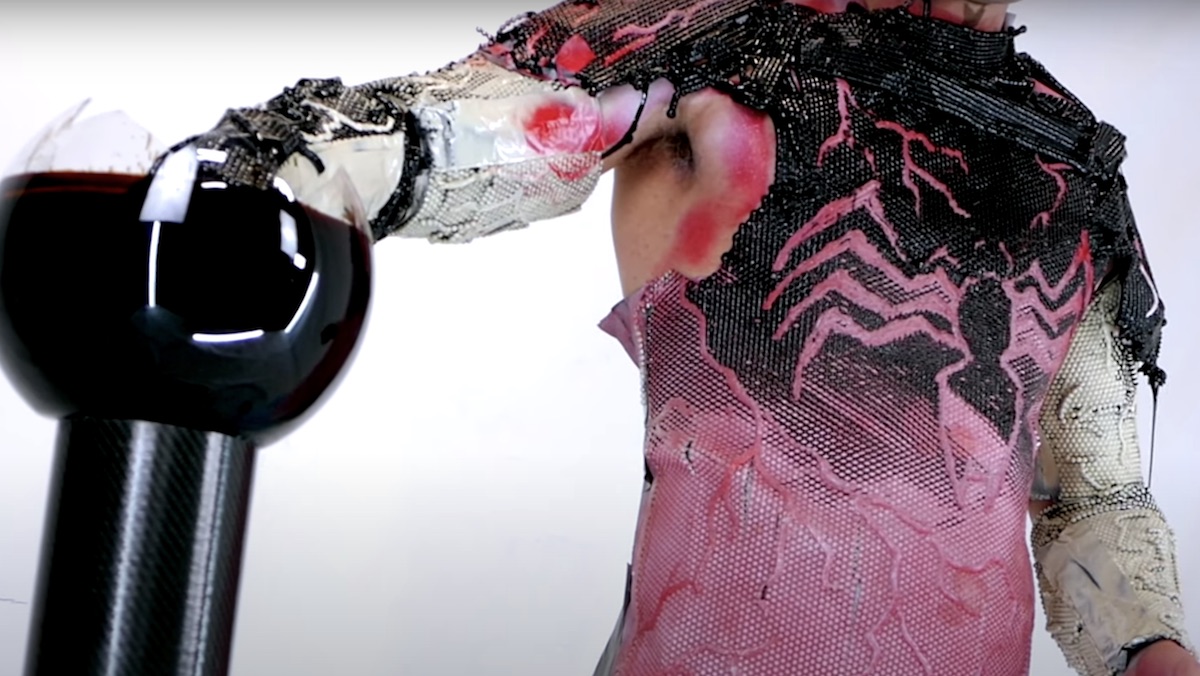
[885,290]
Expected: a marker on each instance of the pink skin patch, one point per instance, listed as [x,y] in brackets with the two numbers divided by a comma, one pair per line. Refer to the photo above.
[745,153]
[564,127]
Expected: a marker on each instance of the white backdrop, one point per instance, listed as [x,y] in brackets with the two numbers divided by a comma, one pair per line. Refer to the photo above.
[465,505]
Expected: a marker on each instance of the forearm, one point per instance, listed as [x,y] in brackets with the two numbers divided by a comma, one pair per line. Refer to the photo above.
[1104,552]
[462,152]
[485,144]
[518,132]
[1108,578]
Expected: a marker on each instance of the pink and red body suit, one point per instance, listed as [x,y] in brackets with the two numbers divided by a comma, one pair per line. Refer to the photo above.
[842,422]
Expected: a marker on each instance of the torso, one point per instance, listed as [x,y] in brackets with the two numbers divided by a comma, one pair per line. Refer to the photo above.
[845,313]
[818,479]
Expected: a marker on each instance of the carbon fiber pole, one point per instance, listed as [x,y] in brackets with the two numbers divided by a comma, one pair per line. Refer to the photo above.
[141,552]
[238,315]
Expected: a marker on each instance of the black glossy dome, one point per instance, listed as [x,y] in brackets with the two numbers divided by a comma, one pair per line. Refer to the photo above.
[224,309]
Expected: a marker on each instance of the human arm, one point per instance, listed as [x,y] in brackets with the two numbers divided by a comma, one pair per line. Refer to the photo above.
[518,131]
[461,152]
[1105,554]
[1163,658]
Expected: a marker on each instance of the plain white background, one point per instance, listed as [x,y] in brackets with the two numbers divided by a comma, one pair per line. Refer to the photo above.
[465,505]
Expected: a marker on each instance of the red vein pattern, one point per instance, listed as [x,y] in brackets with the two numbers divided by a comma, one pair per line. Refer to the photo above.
[850,525]
[842,421]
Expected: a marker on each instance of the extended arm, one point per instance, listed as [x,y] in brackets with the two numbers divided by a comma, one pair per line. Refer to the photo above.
[517,132]
[1105,555]
[465,151]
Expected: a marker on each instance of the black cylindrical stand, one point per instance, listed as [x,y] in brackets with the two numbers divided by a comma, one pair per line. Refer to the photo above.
[141,552]
[164,297]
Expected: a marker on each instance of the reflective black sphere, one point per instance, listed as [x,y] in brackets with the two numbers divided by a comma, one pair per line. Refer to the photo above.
[236,315]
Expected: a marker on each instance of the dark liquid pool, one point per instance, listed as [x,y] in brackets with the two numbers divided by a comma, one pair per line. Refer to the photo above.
[236,320]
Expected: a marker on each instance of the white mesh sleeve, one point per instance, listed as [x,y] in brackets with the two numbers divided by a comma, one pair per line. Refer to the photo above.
[458,153]
[1104,554]
[498,150]
[504,150]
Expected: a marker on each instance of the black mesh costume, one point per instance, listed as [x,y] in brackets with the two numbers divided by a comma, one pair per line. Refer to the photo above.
[909,286]
[958,87]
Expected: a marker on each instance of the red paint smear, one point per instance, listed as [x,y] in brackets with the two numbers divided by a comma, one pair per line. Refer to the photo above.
[575,55]
[558,127]
[745,152]
[698,232]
